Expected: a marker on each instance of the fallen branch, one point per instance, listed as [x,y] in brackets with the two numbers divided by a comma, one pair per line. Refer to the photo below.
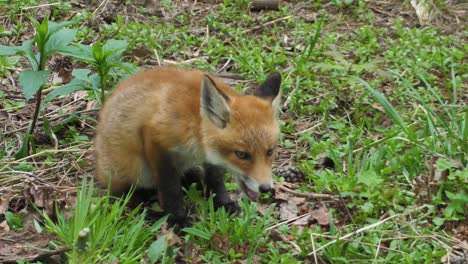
[306,195]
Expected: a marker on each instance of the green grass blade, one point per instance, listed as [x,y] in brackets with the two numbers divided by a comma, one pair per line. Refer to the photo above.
[389,109]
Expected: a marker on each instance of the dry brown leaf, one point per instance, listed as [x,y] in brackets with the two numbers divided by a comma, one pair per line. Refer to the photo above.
[321,215]
[288,210]
[5,201]
[4,226]
[261,208]
[221,242]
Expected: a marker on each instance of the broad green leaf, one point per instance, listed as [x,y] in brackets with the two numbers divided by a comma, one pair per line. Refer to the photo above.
[127,67]
[54,27]
[10,50]
[81,74]
[28,53]
[59,40]
[31,81]
[114,45]
[66,89]
[438,221]
[157,248]
[113,50]
[369,178]
[79,51]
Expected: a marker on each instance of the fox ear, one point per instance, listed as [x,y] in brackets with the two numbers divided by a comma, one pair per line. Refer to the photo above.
[214,103]
[270,89]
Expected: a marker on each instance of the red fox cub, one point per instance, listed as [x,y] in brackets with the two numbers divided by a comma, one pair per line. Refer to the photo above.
[160,123]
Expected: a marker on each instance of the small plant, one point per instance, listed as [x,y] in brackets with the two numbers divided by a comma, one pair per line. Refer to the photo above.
[228,237]
[50,38]
[99,229]
[105,58]
[15,222]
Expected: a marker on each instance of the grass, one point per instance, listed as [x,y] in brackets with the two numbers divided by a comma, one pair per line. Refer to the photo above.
[385,102]
[100,230]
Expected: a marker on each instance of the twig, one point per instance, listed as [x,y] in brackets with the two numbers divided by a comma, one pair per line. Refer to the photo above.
[313,247]
[288,221]
[157,57]
[268,23]
[364,229]
[344,204]
[307,195]
[309,129]
[360,242]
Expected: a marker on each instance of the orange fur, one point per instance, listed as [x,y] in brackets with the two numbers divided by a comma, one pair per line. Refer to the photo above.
[158,111]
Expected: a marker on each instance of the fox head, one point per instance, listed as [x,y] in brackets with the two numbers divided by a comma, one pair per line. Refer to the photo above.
[240,132]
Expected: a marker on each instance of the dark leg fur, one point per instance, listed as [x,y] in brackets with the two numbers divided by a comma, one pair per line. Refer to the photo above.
[214,179]
[170,192]
[194,175]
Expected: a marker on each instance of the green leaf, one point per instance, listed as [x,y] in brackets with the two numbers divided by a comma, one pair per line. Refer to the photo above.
[31,81]
[15,222]
[206,235]
[113,45]
[157,249]
[38,226]
[42,32]
[54,27]
[10,50]
[443,164]
[369,178]
[79,51]
[81,74]
[389,109]
[24,150]
[438,221]
[27,48]
[60,40]
[156,226]
[66,89]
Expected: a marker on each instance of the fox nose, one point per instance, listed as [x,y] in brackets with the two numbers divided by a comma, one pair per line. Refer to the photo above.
[264,188]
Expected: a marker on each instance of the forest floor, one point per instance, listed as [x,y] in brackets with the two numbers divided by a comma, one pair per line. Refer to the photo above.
[372,161]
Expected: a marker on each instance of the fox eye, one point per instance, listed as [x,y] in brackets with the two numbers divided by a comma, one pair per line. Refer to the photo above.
[270,152]
[242,155]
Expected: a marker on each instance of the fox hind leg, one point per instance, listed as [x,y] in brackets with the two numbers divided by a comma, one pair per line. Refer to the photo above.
[170,191]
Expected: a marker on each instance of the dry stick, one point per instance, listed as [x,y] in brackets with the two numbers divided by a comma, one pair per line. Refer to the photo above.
[307,195]
[288,221]
[378,249]
[157,57]
[364,229]
[313,247]
[360,242]
[268,23]
[309,129]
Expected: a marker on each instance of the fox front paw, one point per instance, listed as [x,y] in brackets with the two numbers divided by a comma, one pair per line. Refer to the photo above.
[178,221]
[232,207]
